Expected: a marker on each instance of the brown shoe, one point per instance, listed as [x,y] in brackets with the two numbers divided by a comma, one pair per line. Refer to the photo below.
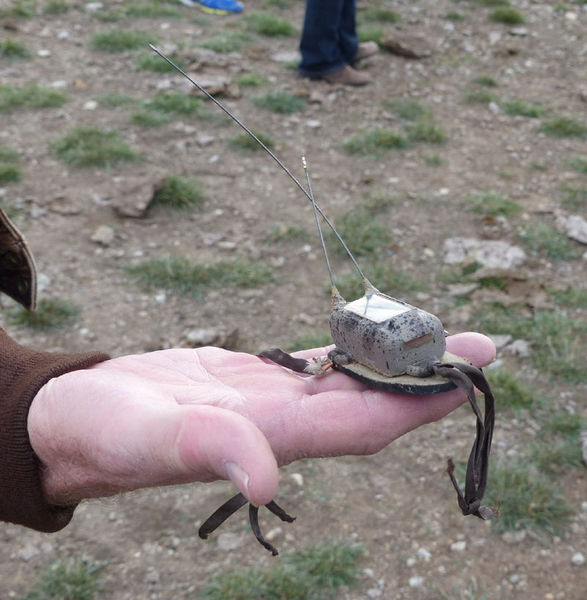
[365,49]
[347,76]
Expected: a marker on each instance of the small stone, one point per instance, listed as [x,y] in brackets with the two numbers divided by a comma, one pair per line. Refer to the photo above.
[513,537]
[519,348]
[44,53]
[458,546]
[416,581]
[297,478]
[274,533]
[462,289]
[423,554]
[313,124]
[93,7]
[60,84]
[374,593]
[152,576]
[410,562]
[104,235]
[368,572]
[90,105]
[578,559]
[501,340]
[205,140]
[519,31]
[28,552]
[573,226]
[490,253]
[409,46]
[43,282]
[287,56]
[63,35]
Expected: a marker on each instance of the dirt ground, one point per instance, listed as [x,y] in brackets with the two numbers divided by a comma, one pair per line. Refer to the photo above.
[399,504]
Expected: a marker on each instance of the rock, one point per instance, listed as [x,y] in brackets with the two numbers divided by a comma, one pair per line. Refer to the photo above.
[519,31]
[408,46]
[513,537]
[64,205]
[28,552]
[423,554]
[584,452]
[501,340]
[93,7]
[228,541]
[103,235]
[197,338]
[573,226]
[459,546]
[273,534]
[218,85]
[152,576]
[297,478]
[90,105]
[44,53]
[134,195]
[462,289]
[578,559]
[490,253]
[313,124]
[519,348]
[416,581]
[205,140]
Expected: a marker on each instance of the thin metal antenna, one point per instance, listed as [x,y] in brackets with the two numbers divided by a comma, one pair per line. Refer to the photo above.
[305,165]
[283,167]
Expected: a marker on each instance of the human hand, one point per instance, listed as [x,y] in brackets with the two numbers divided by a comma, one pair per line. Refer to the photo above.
[183,415]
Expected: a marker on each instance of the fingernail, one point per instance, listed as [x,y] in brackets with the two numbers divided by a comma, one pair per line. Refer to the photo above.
[239,477]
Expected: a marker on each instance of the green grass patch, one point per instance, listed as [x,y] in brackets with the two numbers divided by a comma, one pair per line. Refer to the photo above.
[521,108]
[493,204]
[280,102]
[251,80]
[433,160]
[187,277]
[316,339]
[377,14]
[453,15]
[485,81]
[407,109]
[315,573]
[511,392]
[383,276]
[20,8]
[245,142]
[493,3]
[362,231]
[51,313]
[544,240]
[574,196]
[93,146]
[371,33]
[151,10]
[150,118]
[570,297]
[13,49]
[120,40]
[115,100]
[56,7]
[9,173]
[425,131]
[375,142]
[268,24]
[226,41]
[564,127]
[67,580]
[178,193]
[557,340]
[507,15]
[480,97]
[30,96]
[527,499]
[176,103]
[578,163]
[283,233]
[153,62]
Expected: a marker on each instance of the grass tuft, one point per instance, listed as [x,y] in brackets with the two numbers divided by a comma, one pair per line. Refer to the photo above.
[511,393]
[427,131]
[571,297]
[507,15]
[30,96]
[383,276]
[12,49]
[574,196]
[245,142]
[226,41]
[283,233]
[491,203]
[407,108]
[527,499]
[120,40]
[251,80]
[564,127]
[93,146]
[375,142]
[268,24]
[178,193]
[191,278]
[578,163]
[543,239]
[56,7]
[151,10]
[280,102]
[480,97]
[67,580]
[9,169]
[115,100]
[173,102]
[371,33]
[152,62]
[485,81]
[314,573]
[50,314]
[150,118]
[521,108]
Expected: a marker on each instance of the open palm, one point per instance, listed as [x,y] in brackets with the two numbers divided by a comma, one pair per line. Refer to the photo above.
[183,415]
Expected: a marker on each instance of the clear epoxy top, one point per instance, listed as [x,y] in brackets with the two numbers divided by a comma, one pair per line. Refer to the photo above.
[377,307]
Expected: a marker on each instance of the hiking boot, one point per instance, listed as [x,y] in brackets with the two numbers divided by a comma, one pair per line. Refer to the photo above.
[216,7]
[365,49]
[347,76]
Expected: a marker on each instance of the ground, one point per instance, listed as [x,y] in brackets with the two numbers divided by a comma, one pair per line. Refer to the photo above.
[398,504]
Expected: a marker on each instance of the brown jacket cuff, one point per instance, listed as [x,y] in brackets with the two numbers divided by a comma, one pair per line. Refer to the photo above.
[23,372]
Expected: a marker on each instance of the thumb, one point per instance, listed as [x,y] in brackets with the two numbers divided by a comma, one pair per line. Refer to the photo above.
[214,443]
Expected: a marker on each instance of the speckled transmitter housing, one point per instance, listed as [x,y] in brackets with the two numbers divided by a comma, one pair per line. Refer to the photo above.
[387,335]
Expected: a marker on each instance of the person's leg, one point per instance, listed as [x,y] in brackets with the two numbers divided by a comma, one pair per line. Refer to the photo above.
[348,39]
[320,41]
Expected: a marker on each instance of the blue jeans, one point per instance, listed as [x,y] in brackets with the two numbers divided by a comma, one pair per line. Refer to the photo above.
[329,38]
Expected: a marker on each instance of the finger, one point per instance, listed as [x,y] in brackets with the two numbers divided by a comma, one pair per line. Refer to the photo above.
[476,347]
[219,444]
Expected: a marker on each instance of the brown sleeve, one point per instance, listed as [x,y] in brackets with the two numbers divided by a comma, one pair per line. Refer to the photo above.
[22,374]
